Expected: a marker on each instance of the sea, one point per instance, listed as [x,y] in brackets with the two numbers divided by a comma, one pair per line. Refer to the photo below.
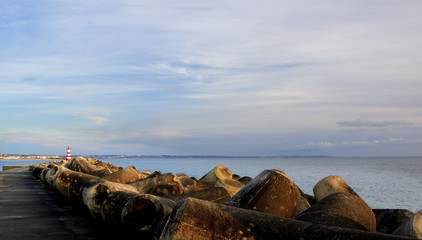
[383,182]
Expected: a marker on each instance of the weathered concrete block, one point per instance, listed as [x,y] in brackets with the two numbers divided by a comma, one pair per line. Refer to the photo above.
[68,182]
[129,174]
[80,164]
[218,172]
[197,219]
[214,194]
[112,207]
[272,192]
[105,171]
[343,210]
[330,185]
[302,206]
[245,180]
[95,193]
[389,220]
[162,185]
[233,186]
[142,213]
[412,227]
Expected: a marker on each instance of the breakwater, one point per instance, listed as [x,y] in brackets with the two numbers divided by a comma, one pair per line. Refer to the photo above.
[221,205]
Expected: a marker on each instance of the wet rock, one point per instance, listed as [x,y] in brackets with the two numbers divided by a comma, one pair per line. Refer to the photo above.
[330,185]
[342,210]
[272,192]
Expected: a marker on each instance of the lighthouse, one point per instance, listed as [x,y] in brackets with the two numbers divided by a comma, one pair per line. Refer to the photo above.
[68,157]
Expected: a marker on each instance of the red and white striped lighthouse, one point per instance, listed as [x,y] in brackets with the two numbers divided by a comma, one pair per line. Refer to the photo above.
[68,157]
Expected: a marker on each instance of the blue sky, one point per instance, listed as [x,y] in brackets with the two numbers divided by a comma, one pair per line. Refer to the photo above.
[339,78]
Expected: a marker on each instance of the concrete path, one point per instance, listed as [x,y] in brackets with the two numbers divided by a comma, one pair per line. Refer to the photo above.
[31,210]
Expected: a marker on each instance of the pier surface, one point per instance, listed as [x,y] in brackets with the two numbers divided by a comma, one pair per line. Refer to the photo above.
[31,210]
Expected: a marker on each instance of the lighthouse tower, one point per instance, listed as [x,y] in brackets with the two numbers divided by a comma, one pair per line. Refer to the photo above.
[68,157]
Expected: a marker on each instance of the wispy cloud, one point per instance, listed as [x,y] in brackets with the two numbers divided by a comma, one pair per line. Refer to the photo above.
[167,75]
[376,124]
[98,116]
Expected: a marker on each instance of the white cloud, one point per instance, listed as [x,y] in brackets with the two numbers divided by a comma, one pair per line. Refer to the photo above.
[98,116]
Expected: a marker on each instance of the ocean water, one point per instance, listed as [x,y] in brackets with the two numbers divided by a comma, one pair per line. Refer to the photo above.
[382,182]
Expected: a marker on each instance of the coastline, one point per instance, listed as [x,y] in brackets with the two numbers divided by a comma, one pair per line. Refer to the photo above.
[31,159]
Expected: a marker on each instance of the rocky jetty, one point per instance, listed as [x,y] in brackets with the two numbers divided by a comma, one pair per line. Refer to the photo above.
[145,204]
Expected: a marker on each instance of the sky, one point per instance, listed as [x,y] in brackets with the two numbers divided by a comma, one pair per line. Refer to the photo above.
[244,78]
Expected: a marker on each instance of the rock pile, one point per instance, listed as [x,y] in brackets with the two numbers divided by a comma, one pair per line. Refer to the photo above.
[222,205]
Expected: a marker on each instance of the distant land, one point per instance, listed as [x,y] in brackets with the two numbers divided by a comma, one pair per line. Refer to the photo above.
[56,157]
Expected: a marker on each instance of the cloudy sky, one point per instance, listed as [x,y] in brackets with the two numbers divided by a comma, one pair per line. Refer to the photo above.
[339,78]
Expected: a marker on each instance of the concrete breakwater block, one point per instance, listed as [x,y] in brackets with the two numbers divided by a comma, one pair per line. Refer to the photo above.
[105,171]
[142,214]
[412,227]
[233,186]
[272,192]
[330,185]
[162,185]
[214,194]
[389,220]
[94,193]
[68,182]
[81,164]
[129,174]
[112,207]
[190,184]
[263,209]
[343,210]
[218,172]
[197,219]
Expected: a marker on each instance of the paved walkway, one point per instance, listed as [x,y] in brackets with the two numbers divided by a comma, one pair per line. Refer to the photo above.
[31,210]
